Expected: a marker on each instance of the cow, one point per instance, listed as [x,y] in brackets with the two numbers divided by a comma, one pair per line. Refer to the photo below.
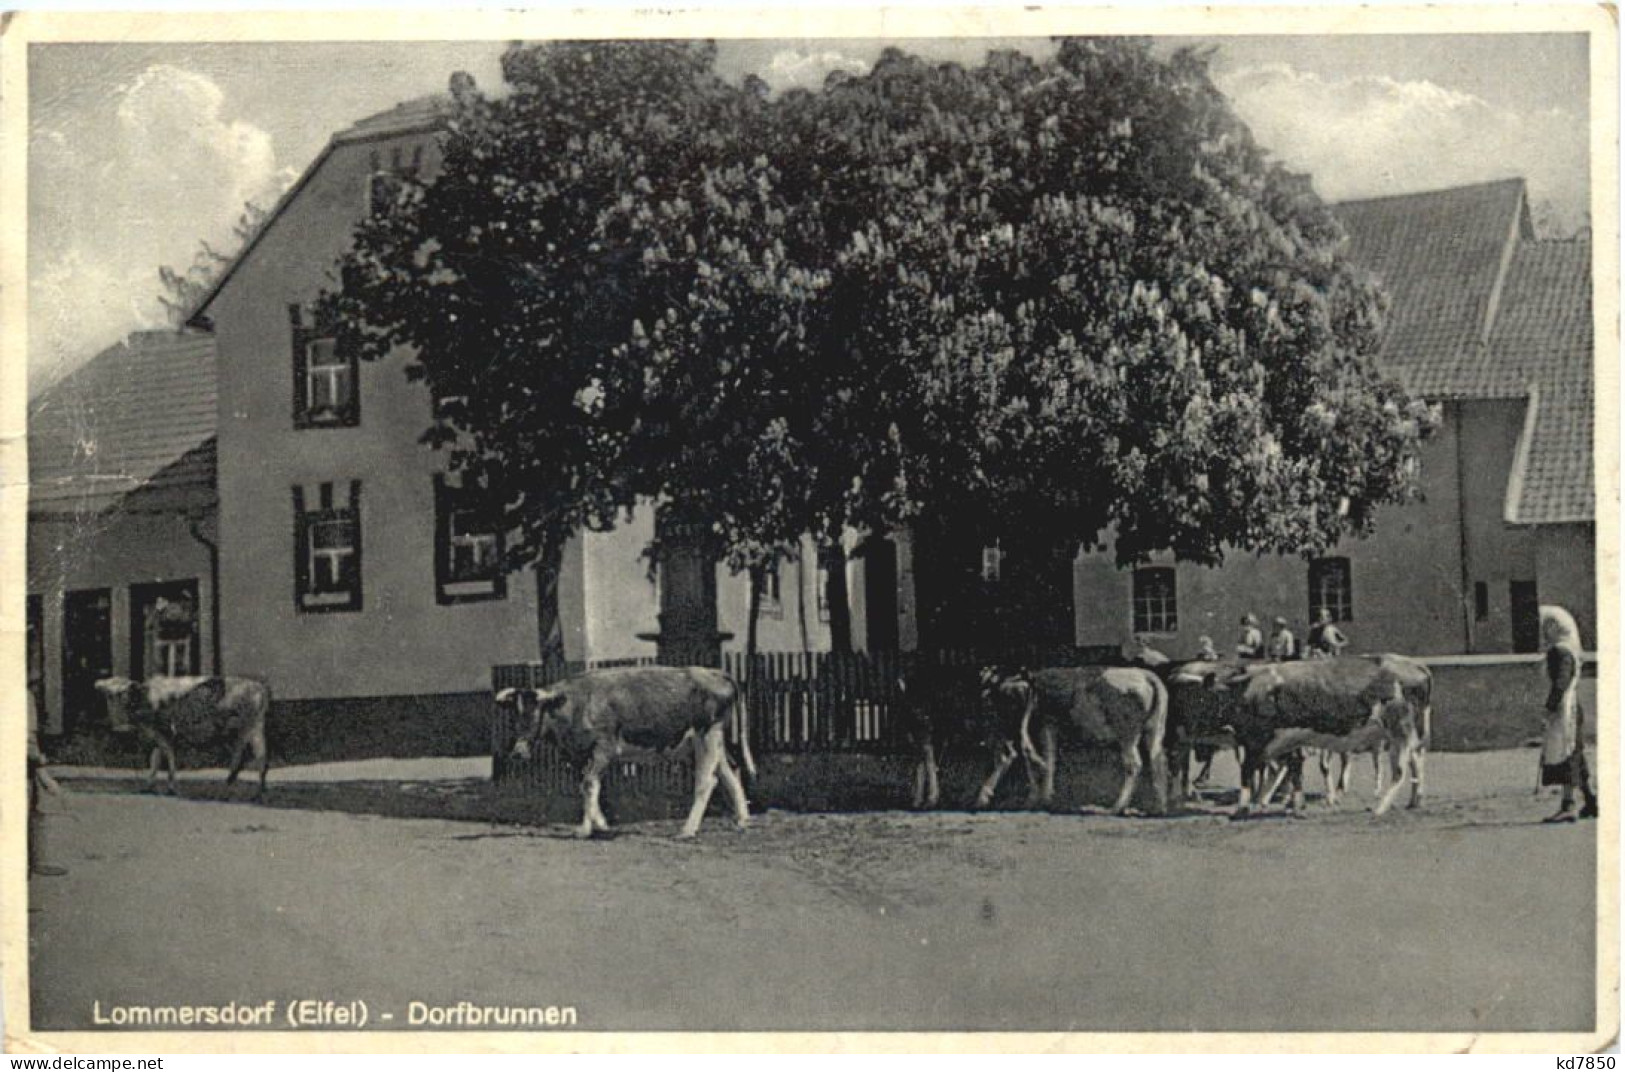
[1122,707]
[1347,705]
[207,712]
[1198,718]
[939,709]
[603,714]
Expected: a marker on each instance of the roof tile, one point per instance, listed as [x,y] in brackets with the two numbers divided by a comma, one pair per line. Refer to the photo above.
[139,415]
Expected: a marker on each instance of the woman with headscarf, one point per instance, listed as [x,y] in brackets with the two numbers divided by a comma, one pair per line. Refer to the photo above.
[1562,752]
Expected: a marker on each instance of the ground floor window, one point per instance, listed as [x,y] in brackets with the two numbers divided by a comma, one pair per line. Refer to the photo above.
[1156,605]
[327,557]
[164,633]
[468,546]
[1331,586]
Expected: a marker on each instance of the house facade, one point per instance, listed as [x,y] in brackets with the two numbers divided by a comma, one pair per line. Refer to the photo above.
[1496,327]
[348,569]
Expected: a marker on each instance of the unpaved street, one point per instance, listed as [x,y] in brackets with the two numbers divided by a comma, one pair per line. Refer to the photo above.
[1468,916]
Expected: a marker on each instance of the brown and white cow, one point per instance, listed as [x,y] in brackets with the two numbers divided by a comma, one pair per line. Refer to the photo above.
[1348,705]
[601,715]
[1125,708]
[206,712]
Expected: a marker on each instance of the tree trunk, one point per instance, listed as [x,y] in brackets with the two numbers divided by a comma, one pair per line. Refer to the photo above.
[549,630]
[840,605]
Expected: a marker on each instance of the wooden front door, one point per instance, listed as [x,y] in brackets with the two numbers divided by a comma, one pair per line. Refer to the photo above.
[87,654]
[1525,616]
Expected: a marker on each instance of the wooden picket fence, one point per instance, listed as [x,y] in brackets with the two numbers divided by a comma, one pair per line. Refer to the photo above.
[795,703]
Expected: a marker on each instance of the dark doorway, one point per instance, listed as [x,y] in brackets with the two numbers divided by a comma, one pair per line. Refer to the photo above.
[87,653]
[36,655]
[164,637]
[880,594]
[1525,616]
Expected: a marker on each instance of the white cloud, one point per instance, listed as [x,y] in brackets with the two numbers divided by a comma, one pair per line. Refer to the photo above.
[1369,136]
[794,69]
[121,192]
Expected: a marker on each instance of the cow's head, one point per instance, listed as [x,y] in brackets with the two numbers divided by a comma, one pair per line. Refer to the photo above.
[535,711]
[123,698]
[1006,693]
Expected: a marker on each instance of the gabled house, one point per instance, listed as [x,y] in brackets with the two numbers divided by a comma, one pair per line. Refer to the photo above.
[122,530]
[354,580]
[1494,326]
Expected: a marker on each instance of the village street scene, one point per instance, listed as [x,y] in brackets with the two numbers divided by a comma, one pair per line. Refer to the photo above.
[1046,534]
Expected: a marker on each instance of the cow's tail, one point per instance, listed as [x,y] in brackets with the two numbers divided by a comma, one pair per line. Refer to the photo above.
[1427,709]
[1028,750]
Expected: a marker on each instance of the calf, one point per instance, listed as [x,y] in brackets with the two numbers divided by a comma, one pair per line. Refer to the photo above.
[938,710]
[207,712]
[1121,707]
[1346,705]
[602,714]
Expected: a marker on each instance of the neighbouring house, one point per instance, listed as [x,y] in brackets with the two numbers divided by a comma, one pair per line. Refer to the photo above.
[1496,327]
[122,523]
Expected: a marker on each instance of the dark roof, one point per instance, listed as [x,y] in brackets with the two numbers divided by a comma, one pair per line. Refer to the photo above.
[1541,346]
[133,427]
[1440,256]
[418,114]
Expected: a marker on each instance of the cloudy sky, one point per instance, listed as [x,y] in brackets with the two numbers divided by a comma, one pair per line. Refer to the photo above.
[139,151]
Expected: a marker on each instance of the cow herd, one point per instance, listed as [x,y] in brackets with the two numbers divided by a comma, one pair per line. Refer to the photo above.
[1272,714]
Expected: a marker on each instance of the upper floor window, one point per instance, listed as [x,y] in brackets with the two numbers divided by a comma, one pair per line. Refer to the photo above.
[822,585]
[327,556]
[992,563]
[385,178]
[468,547]
[1331,585]
[325,391]
[1156,604]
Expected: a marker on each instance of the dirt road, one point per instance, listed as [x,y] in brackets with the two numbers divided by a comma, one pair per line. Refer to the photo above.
[1468,916]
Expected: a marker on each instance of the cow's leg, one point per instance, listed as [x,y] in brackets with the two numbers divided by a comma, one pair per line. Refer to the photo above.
[1325,760]
[591,784]
[239,752]
[262,756]
[1294,766]
[169,757]
[152,768]
[1268,794]
[1003,756]
[1130,755]
[1159,779]
[707,755]
[933,791]
[736,790]
[917,797]
[1249,771]
[1398,760]
[1047,794]
[1418,769]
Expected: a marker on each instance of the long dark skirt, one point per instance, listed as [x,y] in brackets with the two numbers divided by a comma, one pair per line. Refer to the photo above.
[1571,772]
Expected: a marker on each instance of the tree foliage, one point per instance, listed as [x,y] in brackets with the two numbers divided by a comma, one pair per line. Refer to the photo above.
[185,288]
[1057,296]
